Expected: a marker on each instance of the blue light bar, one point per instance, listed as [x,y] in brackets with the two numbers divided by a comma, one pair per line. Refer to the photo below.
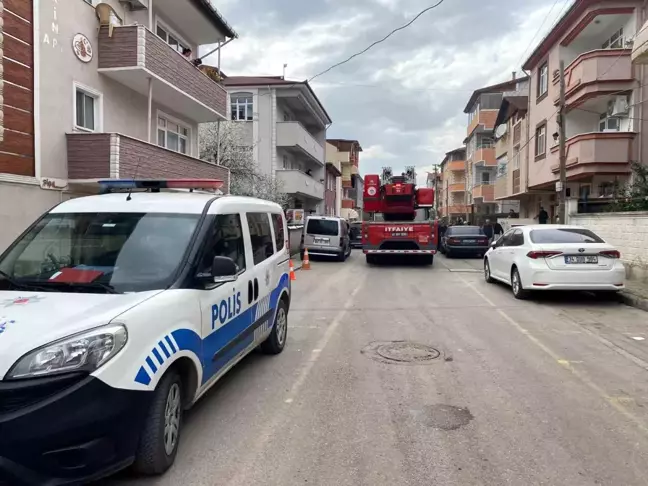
[106,185]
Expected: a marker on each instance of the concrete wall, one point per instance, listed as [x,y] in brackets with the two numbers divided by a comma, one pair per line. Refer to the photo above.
[627,231]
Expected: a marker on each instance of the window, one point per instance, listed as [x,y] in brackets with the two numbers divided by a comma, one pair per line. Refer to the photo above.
[615,41]
[485,142]
[171,39]
[226,240]
[564,235]
[325,227]
[465,231]
[88,107]
[280,236]
[502,164]
[173,135]
[543,80]
[609,123]
[541,140]
[260,236]
[127,251]
[606,189]
[242,107]
[485,178]
[285,161]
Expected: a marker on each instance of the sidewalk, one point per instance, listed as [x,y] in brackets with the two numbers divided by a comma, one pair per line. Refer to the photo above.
[636,294]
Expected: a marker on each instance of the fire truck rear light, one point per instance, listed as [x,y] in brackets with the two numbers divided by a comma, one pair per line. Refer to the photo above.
[543,254]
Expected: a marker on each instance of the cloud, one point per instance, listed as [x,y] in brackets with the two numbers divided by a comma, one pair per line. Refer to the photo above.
[404,99]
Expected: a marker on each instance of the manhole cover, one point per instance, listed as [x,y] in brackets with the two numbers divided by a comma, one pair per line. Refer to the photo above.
[401,352]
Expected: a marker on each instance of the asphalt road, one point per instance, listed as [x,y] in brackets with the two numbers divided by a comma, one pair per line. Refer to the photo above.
[552,391]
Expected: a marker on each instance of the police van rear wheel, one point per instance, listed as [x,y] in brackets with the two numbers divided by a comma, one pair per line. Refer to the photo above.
[161,433]
[276,341]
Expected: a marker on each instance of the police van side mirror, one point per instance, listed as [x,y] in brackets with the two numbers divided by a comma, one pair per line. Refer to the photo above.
[224,270]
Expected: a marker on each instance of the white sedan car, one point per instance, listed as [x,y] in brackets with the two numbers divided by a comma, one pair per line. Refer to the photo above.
[554,257]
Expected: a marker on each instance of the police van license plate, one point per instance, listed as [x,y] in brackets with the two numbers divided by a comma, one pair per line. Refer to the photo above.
[322,241]
[569,259]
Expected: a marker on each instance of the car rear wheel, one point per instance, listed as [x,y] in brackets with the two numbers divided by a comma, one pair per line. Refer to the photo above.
[487,272]
[516,285]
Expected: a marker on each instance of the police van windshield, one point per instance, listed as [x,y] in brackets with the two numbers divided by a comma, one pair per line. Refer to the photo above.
[327,227]
[103,252]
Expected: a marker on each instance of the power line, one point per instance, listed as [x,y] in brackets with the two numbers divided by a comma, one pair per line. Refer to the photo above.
[425,10]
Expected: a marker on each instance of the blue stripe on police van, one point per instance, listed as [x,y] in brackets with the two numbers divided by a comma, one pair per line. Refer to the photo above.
[158,356]
[188,340]
[164,349]
[151,364]
[171,345]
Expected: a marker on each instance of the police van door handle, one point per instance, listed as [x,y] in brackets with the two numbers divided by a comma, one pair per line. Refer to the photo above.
[250,292]
[256,289]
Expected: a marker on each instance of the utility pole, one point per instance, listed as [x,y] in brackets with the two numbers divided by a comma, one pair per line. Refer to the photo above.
[562,189]
[436,192]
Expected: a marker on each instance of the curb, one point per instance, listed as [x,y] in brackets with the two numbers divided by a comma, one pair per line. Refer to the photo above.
[634,300]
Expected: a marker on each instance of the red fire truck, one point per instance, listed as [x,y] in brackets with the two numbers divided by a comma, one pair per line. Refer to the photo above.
[399,222]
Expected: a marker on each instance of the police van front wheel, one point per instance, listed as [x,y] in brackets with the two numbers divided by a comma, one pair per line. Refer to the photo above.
[276,341]
[161,433]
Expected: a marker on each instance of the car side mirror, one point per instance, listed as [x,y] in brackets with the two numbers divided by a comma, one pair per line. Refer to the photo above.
[224,270]
[493,244]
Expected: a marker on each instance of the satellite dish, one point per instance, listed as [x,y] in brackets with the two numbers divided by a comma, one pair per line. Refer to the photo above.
[500,131]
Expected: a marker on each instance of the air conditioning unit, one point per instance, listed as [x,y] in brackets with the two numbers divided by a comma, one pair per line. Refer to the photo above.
[619,106]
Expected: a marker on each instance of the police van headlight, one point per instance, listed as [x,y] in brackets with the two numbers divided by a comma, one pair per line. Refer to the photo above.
[86,352]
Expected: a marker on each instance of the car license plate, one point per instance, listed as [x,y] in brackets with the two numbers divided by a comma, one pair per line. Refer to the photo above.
[322,241]
[569,259]
[469,242]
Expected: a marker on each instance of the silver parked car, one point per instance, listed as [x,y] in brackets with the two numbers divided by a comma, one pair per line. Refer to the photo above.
[326,236]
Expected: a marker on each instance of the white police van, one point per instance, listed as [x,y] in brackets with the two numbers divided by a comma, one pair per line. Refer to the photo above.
[118,312]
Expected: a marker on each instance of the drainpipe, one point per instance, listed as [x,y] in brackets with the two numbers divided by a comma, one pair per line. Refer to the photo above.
[526,148]
[150,108]
[642,76]
[150,16]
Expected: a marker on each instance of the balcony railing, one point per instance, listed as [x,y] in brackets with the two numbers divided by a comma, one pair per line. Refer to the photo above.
[134,54]
[456,209]
[297,182]
[485,157]
[93,156]
[597,72]
[486,118]
[485,192]
[348,203]
[457,187]
[457,165]
[292,135]
[596,152]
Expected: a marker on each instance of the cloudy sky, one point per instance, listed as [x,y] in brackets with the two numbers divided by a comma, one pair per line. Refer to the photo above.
[404,99]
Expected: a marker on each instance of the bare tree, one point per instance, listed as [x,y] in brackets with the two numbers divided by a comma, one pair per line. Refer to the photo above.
[226,145]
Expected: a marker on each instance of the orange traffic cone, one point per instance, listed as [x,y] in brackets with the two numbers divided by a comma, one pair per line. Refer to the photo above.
[292,271]
[306,261]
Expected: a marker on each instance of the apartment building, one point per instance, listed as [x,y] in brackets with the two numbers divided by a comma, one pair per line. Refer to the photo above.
[434,181]
[98,90]
[352,182]
[510,142]
[604,102]
[452,197]
[333,181]
[285,124]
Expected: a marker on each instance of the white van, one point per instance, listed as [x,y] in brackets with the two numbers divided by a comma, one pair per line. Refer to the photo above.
[118,312]
[326,236]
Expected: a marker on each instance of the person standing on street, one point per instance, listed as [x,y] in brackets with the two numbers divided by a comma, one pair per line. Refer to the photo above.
[497,230]
[543,216]
[488,230]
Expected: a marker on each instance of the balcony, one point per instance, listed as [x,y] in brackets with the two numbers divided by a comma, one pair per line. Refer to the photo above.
[486,118]
[134,54]
[485,157]
[334,166]
[457,165]
[596,73]
[295,138]
[348,203]
[484,193]
[93,156]
[297,182]
[456,209]
[457,187]
[597,153]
